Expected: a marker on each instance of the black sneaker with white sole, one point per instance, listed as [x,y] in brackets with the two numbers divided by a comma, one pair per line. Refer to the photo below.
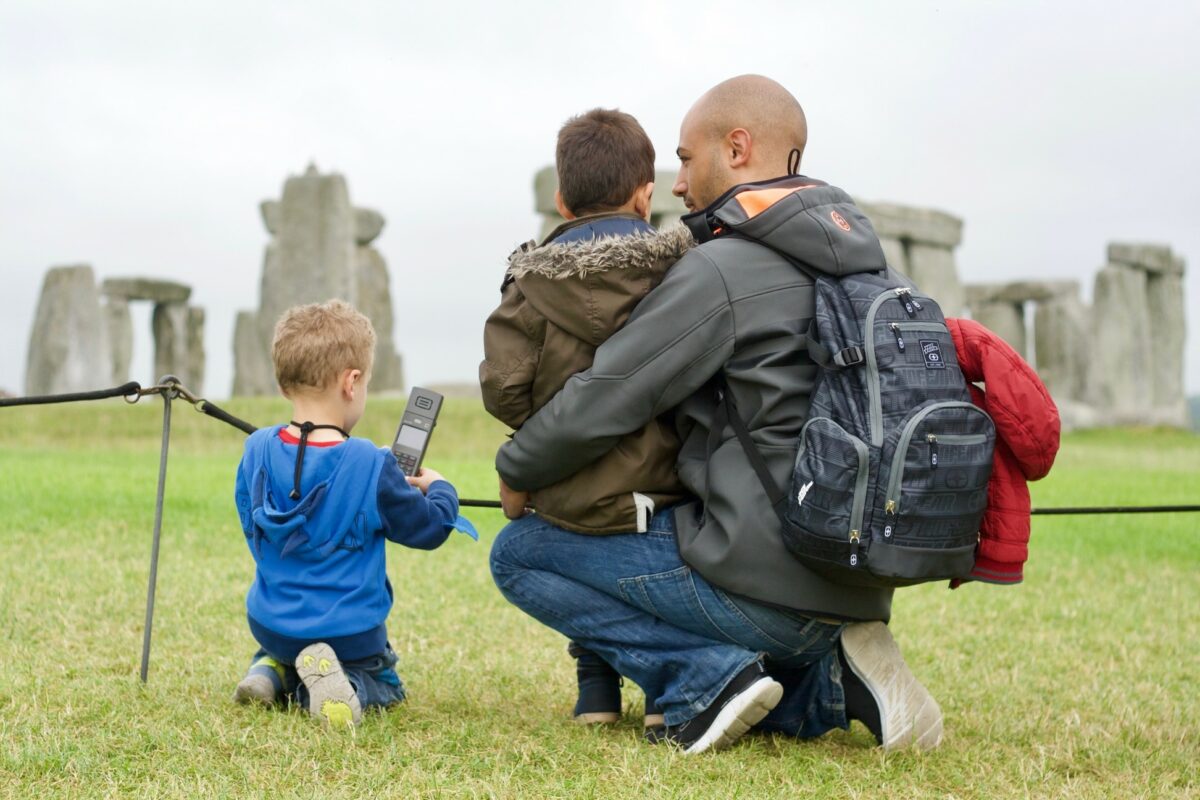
[746,699]
[904,713]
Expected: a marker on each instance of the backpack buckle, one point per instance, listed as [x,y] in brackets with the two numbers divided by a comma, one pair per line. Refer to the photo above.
[850,357]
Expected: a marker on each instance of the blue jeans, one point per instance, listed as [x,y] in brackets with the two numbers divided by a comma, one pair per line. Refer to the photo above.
[630,598]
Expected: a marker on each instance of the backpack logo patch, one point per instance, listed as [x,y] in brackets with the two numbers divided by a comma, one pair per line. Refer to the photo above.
[803,493]
[840,221]
[931,349]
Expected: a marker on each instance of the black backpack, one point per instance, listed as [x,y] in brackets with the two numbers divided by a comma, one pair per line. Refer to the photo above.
[890,479]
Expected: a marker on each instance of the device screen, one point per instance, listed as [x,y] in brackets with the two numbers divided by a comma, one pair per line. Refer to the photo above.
[411,438]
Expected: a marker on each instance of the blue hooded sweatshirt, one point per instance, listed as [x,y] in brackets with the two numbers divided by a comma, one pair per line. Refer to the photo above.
[320,561]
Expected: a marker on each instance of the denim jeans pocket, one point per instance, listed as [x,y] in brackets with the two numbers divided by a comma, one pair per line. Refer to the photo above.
[791,634]
[670,596]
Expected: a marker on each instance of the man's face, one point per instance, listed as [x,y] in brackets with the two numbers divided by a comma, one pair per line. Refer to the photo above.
[703,175]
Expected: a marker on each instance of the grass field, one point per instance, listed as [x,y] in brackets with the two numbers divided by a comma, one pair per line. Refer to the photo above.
[1082,682]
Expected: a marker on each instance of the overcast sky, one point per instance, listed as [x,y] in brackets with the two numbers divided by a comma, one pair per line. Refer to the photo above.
[140,137]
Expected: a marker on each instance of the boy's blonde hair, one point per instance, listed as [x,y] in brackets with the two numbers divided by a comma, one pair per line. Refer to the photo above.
[315,342]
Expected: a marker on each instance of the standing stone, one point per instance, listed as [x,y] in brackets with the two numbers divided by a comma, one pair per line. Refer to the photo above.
[932,268]
[1164,296]
[253,374]
[1121,345]
[1007,320]
[120,336]
[375,300]
[169,323]
[195,350]
[320,249]
[1063,348]
[312,258]
[68,345]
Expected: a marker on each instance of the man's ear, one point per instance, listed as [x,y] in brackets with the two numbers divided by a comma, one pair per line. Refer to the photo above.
[641,200]
[565,212]
[737,147]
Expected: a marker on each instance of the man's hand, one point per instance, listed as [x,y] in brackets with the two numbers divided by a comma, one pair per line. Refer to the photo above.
[513,502]
[424,478]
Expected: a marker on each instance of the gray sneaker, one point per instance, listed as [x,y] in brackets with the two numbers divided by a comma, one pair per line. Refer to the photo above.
[331,697]
[908,714]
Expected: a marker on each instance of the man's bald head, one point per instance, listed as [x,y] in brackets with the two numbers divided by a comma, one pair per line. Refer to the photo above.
[741,130]
[768,111]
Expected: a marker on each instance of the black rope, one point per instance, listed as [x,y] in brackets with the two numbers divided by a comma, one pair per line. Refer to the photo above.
[215,412]
[133,388]
[1117,510]
[1036,511]
[128,389]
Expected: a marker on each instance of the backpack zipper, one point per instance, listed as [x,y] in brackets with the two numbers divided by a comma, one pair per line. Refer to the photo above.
[876,403]
[897,473]
[859,504]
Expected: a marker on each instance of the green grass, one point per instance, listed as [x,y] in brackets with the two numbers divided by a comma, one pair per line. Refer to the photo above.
[1082,682]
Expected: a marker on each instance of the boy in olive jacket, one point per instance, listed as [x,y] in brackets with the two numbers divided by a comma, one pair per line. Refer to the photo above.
[559,301]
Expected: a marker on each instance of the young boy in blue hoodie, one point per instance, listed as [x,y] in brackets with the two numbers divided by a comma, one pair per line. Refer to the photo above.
[316,506]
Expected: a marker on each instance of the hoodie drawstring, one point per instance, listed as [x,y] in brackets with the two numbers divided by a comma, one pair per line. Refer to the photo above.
[794,161]
[305,429]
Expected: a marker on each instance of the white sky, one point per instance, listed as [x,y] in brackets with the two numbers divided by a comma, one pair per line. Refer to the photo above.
[140,137]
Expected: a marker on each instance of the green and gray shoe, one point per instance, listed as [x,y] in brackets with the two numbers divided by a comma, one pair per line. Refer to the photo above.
[262,684]
[331,697]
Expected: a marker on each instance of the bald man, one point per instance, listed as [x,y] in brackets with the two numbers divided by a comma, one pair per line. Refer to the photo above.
[707,611]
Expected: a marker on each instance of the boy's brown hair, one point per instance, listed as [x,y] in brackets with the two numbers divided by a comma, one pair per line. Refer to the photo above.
[315,342]
[602,157]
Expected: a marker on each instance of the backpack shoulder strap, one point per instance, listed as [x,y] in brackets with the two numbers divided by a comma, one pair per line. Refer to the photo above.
[727,414]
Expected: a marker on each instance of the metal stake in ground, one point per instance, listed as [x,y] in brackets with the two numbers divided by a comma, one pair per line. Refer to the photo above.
[168,394]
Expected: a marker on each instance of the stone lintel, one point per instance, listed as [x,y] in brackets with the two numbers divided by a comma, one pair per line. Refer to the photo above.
[1145,256]
[1020,291]
[157,291]
[924,225]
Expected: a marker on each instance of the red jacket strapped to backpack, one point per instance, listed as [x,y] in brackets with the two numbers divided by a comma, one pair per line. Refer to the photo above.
[1027,438]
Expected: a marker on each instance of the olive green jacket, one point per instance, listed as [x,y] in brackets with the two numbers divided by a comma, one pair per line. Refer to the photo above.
[558,303]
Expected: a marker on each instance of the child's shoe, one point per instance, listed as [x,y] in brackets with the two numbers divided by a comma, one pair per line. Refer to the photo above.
[599,688]
[331,697]
[263,683]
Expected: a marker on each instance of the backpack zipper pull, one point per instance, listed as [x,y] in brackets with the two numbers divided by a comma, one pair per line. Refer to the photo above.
[889,511]
[933,451]
[906,298]
[895,329]
[854,548]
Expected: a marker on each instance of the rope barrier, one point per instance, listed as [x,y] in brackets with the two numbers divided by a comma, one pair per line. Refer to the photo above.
[169,388]
[133,391]
[125,390]
[1115,510]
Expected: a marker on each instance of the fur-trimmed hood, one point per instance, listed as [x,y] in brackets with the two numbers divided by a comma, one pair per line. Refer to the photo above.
[589,288]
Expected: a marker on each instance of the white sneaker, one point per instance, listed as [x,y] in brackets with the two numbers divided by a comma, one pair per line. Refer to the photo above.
[908,714]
